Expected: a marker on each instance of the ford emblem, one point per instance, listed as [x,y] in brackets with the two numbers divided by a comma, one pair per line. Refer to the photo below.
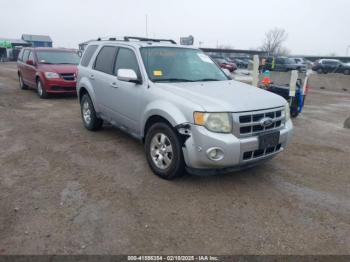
[266,122]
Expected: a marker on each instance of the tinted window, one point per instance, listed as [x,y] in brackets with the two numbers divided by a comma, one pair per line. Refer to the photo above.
[25,55]
[126,59]
[88,54]
[105,59]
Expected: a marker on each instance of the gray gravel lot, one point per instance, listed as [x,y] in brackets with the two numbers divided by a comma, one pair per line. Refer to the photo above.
[64,190]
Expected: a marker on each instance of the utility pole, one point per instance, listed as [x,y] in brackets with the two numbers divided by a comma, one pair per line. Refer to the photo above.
[147,26]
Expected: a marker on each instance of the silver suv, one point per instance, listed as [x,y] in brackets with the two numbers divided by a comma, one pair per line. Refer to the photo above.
[188,113]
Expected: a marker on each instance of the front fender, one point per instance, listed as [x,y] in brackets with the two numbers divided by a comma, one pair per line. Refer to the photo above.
[84,82]
[164,109]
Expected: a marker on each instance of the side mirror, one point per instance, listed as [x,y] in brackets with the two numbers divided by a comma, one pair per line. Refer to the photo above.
[127,75]
[30,62]
[227,72]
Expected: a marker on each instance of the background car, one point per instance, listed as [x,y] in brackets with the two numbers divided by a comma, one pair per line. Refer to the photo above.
[241,63]
[48,70]
[324,66]
[223,63]
[283,64]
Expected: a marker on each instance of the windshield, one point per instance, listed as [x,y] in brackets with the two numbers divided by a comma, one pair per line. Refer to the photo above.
[174,64]
[54,57]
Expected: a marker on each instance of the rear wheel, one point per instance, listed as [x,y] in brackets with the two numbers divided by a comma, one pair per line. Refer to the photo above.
[21,83]
[164,152]
[88,114]
[41,90]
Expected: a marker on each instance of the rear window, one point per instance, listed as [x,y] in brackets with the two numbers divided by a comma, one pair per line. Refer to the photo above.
[88,54]
[105,59]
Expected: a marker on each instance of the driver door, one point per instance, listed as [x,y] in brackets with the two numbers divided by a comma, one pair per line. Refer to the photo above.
[127,96]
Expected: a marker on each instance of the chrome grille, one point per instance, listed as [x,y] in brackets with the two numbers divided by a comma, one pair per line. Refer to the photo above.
[68,77]
[248,124]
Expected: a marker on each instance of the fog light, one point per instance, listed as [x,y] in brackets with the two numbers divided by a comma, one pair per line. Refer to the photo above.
[215,154]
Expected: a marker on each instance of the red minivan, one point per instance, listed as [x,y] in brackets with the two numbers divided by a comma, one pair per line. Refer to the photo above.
[48,70]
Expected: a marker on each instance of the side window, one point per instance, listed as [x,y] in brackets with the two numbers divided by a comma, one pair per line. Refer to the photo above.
[88,54]
[20,55]
[105,59]
[25,55]
[126,59]
[31,56]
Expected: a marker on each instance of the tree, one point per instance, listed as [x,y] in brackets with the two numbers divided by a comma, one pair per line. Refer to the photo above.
[273,41]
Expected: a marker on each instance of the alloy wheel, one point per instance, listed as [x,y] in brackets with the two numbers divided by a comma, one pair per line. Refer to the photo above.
[161,151]
[86,112]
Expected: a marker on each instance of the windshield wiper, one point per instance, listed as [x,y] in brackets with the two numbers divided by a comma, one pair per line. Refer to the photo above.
[206,79]
[172,80]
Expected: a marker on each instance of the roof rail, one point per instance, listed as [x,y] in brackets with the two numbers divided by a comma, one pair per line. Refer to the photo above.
[128,38]
[108,39]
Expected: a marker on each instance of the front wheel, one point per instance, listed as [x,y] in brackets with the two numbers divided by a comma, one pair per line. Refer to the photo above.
[346,72]
[41,90]
[164,151]
[88,114]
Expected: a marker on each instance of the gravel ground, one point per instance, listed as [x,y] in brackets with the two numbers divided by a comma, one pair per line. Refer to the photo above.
[64,190]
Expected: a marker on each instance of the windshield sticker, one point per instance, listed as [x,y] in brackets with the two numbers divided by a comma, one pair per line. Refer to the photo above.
[157,73]
[205,58]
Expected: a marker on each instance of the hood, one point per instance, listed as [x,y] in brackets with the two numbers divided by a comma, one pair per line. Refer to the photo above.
[224,96]
[60,69]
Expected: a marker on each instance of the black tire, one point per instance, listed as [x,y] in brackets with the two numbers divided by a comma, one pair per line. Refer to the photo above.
[94,123]
[320,71]
[41,90]
[22,85]
[346,72]
[176,167]
[294,108]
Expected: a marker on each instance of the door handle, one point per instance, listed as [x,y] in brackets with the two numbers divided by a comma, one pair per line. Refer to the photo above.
[114,85]
[92,77]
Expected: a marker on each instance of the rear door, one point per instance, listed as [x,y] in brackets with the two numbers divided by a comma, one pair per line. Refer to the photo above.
[101,78]
[23,66]
[31,69]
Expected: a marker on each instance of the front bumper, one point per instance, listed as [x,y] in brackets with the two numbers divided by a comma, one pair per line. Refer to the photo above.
[60,86]
[234,149]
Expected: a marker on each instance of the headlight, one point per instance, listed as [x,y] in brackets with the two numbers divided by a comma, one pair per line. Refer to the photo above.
[215,122]
[287,111]
[50,75]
